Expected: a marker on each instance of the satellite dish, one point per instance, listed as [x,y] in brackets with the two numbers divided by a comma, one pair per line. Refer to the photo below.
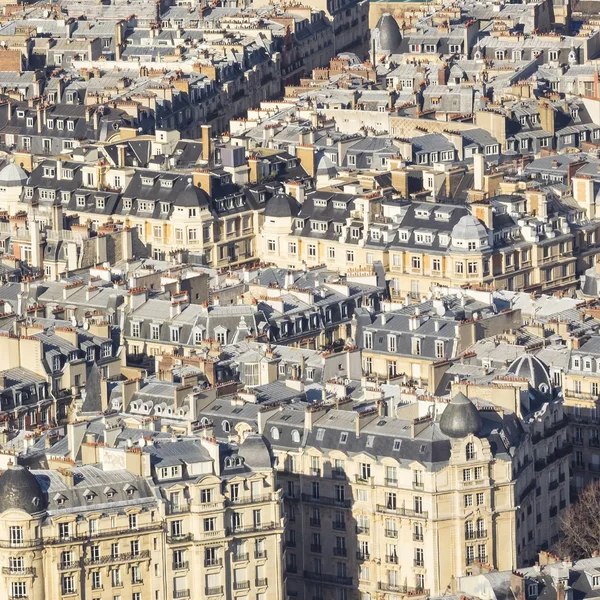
[86,325]
[74,321]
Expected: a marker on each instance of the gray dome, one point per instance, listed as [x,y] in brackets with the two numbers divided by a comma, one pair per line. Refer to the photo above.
[468,228]
[192,196]
[19,489]
[460,418]
[389,33]
[12,175]
[255,453]
[531,368]
[282,205]
[325,166]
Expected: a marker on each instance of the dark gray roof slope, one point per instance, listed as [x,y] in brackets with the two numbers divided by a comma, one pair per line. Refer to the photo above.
[20,490]
[460,418]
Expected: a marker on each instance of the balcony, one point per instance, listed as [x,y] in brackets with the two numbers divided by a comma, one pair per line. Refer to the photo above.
[178,566]
[315,472]
[240,557]
[315,548]
[364,480]
[19,571]
[249,500]
[402,512]
[259,554]
[339,551]
[391,533]
[339,525]
[417,537]
[113,532]
[213,562]
[362,530]
[112,558]
[177,509]
[213,591]
[391,558]
[241,585]
[418,562]
[477,559]
[290,543]
[325,501]
[363,555]
[475,535]
[391,482]
[262,582]
[181,538]
[418,485]
[402,589]
[329,579]
[65,566]
[315,522]
[338,474]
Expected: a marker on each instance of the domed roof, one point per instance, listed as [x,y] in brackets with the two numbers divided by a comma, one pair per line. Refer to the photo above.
[19,489]
[530,367]
[282,205]
[460,418]
[191,195]
[12,175]
[325,166]
[469,228]
[255,453]
[389,33]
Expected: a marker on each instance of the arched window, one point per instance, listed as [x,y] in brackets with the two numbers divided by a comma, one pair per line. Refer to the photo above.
[470,452]
[226,426]
[296,436]
[203,421]
[469,531]
[480,527]
[274,433]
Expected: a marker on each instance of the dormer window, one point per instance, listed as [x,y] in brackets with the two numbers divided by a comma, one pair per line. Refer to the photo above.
[70,126]
[29,121]
[127,202]
[81,201]
[100,203]
[20,114]
[164,207]
[147,181]
[50,123]
[56,363]
[49,171]
[166,183]
[60,124]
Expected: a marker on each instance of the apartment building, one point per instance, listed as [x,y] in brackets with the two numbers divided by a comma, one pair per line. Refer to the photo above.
[185,520]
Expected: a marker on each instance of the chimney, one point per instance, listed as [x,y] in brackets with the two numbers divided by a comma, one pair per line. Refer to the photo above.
[289,280]
[2,380]
[517,585]
[306,154]
[121,155]
[96,119]
[203,179]
[253,165]
[206,144]
[479,171]
[38,113]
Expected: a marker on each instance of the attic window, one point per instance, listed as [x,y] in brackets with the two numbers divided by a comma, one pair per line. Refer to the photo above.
[147,181]
[370,441]
[343,437]
[422,448]
[320,202]
[320,434]
[397,444]
[166,183]
[164,207]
